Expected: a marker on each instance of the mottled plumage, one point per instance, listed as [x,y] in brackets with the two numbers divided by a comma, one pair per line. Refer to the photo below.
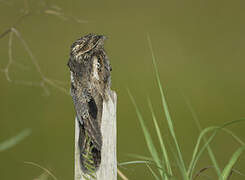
[90,82]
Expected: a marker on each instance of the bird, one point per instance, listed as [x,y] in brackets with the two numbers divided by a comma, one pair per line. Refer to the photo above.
[90,81]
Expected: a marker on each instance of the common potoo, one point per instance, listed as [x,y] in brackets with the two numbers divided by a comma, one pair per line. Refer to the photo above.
[90,82]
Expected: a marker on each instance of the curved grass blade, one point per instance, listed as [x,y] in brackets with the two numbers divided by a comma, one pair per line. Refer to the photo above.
[14,140]
[202,135]
[228,168]
[44,169]
[238,172]
[233,135]
[211,129]
[197,155]
[152,172]
[43,176]
[210,152]
[133,162]
[121,175]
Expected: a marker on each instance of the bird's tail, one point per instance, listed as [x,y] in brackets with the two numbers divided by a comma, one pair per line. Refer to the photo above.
[90,156]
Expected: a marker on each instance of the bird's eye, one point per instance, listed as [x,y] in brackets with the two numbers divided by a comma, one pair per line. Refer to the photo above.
[98,66]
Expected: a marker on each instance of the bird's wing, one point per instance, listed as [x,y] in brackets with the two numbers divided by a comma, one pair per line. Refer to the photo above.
[89,115]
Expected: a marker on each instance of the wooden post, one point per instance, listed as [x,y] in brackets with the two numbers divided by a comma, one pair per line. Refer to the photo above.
[108,166]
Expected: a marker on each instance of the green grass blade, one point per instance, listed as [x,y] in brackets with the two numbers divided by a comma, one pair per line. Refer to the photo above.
[196,154]
[228,168]
[43,168]
[133,162]
[210,152]
[234,136]
[177,162]
[147,135]
[163,147]
[153,173]
[14,140]
[43,176]
[141,162]
[238,172]
[166,111]
[206,130]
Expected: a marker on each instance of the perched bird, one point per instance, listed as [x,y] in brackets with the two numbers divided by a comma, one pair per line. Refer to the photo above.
[90,82]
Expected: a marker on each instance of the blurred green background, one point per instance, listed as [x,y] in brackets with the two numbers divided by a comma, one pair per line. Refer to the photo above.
[199,46]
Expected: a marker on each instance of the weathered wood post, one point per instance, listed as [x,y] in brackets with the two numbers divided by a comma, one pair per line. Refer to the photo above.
[108,166]
[95,105]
